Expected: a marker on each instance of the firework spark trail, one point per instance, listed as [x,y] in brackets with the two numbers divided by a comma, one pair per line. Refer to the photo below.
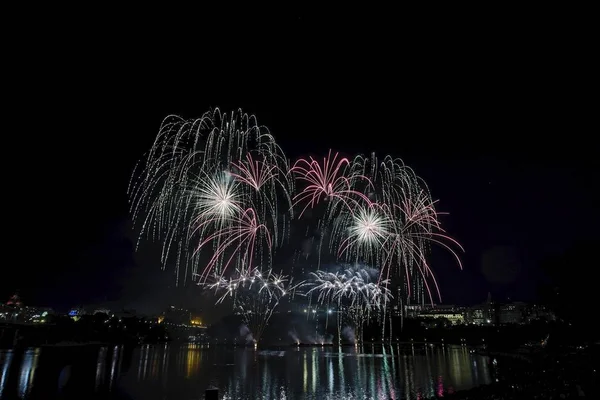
[395,228]
[205,173]
[255,295]
[366,233]
[331,181]
[215,199]
[254,173]
[353,291]
[326,181]
[386,213]
[241,234]
[353,285]
[264,182]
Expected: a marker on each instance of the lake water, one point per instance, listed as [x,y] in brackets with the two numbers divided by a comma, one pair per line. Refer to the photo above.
[182,372]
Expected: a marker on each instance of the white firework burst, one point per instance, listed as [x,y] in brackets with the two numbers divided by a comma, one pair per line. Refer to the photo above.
[215,198]
[369,226]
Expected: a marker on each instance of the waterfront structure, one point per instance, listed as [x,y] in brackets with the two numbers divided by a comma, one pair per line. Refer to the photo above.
[455,318]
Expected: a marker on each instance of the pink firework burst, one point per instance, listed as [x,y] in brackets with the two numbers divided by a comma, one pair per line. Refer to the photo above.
[327,181]
[254,173]
[238,238]
[417,226]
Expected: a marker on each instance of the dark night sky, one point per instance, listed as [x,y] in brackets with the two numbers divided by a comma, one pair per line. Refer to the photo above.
[495,116]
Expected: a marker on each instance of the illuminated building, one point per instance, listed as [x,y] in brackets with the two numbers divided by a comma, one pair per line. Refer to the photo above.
[15,311]
[477,316]
[482,314]
[413,311]
[75,314]
[455,318]
[40,318]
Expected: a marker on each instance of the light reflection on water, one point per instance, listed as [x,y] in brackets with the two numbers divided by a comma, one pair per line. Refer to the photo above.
[28,367]
[185,371]
[308,373]
[5,361]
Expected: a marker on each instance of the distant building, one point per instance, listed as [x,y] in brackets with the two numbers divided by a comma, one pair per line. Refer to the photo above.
[512,313]
[488,313]
[413,311]
[482,314]
[41,317]
[479,315]
[15,311]
[76,313]
[455,318]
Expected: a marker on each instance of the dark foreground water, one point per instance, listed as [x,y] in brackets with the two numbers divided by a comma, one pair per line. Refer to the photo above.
[182,372]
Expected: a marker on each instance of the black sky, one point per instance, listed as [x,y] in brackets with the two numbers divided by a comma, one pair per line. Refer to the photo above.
[496,115]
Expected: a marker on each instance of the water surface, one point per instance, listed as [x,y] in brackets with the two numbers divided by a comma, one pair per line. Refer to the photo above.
[185,371]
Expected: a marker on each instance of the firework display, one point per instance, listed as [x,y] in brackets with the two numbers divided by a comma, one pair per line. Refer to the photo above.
[255,295]
[327,181]
[216,185]
[219,195]
[382,215]
[356,293]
